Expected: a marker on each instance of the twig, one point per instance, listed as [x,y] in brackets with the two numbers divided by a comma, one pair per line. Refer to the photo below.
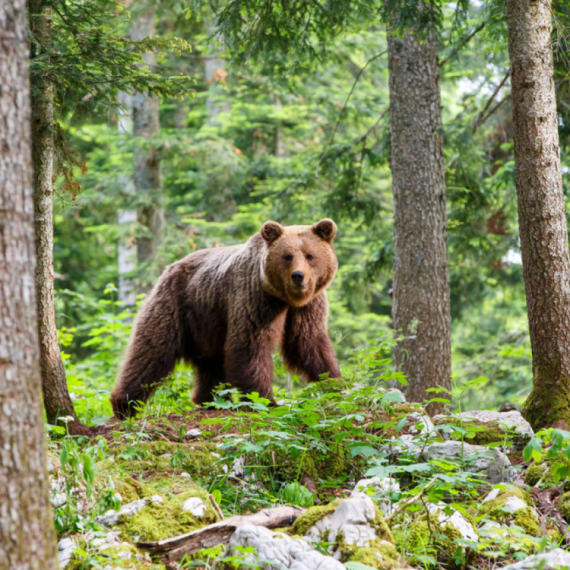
[494,109]
[411,500]
[342,111]
[216,507]
[481,117]
[462,44]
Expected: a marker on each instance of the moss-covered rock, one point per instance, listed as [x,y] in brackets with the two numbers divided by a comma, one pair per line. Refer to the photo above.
[168,518]
[563,506]
[160,513]
[312,516]
[439,534]
[355,529]
[508,504]
[109,554]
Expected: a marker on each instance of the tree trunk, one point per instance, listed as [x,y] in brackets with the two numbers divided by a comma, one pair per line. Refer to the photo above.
[57,402]
[27,538]
[542,216]
[127,250]
[421,281]
[147,175]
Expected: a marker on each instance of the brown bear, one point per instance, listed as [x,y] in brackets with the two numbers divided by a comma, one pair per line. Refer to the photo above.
[224,310]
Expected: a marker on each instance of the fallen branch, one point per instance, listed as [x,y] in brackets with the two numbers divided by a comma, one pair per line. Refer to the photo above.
[411,500]
[172,549]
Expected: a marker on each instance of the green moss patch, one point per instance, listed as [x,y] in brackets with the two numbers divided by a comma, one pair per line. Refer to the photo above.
[167,519]
[498,510]
[312,516]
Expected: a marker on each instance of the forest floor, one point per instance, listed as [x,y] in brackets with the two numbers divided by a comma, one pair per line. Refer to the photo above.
[352,476]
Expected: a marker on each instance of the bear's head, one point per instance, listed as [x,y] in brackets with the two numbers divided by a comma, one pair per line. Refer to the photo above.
[300,260]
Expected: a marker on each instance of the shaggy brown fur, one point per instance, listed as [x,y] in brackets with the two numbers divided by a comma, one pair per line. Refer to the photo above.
[225,310]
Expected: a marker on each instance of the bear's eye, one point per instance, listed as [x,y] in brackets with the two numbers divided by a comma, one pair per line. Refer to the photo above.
[288,257]
[309,257]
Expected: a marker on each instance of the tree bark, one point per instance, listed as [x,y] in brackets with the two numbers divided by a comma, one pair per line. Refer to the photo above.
[57,401]
[542,216]
[421,282]
[127,250]
[27,537]
[147,175]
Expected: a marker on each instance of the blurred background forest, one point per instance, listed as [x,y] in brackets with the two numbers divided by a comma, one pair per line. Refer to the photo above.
[293,138]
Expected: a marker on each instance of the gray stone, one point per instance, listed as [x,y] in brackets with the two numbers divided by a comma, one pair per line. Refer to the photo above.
[65,549]
[196,506]
[193,433]
[455,519]
[111,517]
[275,551]
[353,519]
[491,463]
[381,489]
[511,420]
[545,561]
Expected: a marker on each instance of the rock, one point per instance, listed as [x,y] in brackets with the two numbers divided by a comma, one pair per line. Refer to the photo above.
[58,499]
[492,463]
[65,548]
[455,519]
[354,529]
[185,475]
[420,424]
[111,517]
[196,506]
[381,489]
[552,560]
[509,421]
[193,433]
[353,518]
[275,551]
[396,395]
[156,499]
[510,505]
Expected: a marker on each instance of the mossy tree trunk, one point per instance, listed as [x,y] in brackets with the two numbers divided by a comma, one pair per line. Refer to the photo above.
[542,215]
[57,401]
[27,537]
[421,309]
[147,173]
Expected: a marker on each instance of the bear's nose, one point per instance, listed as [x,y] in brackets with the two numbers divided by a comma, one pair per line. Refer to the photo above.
[297,277]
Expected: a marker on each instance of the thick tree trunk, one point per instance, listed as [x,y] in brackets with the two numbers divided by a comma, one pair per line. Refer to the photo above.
[27,538]
[542,216]
[421,281]
[56,395]
[147,175]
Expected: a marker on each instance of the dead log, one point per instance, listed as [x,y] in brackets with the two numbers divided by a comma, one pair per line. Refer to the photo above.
[172,549]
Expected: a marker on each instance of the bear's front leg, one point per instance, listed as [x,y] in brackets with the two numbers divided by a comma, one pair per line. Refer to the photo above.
[307,348]
[249,365]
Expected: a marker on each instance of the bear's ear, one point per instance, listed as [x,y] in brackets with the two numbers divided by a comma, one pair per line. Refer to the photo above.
[270,231]
[325,229]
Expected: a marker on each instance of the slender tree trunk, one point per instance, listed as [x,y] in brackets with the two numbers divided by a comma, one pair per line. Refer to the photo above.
[56,395]
[147,176]
[27,537]
[127,219]
[542,216]
[421,281]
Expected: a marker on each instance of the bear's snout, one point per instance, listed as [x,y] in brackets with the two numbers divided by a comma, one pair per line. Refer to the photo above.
[297,278]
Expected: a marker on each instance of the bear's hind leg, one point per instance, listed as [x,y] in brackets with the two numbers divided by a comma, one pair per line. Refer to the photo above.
[209,375]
